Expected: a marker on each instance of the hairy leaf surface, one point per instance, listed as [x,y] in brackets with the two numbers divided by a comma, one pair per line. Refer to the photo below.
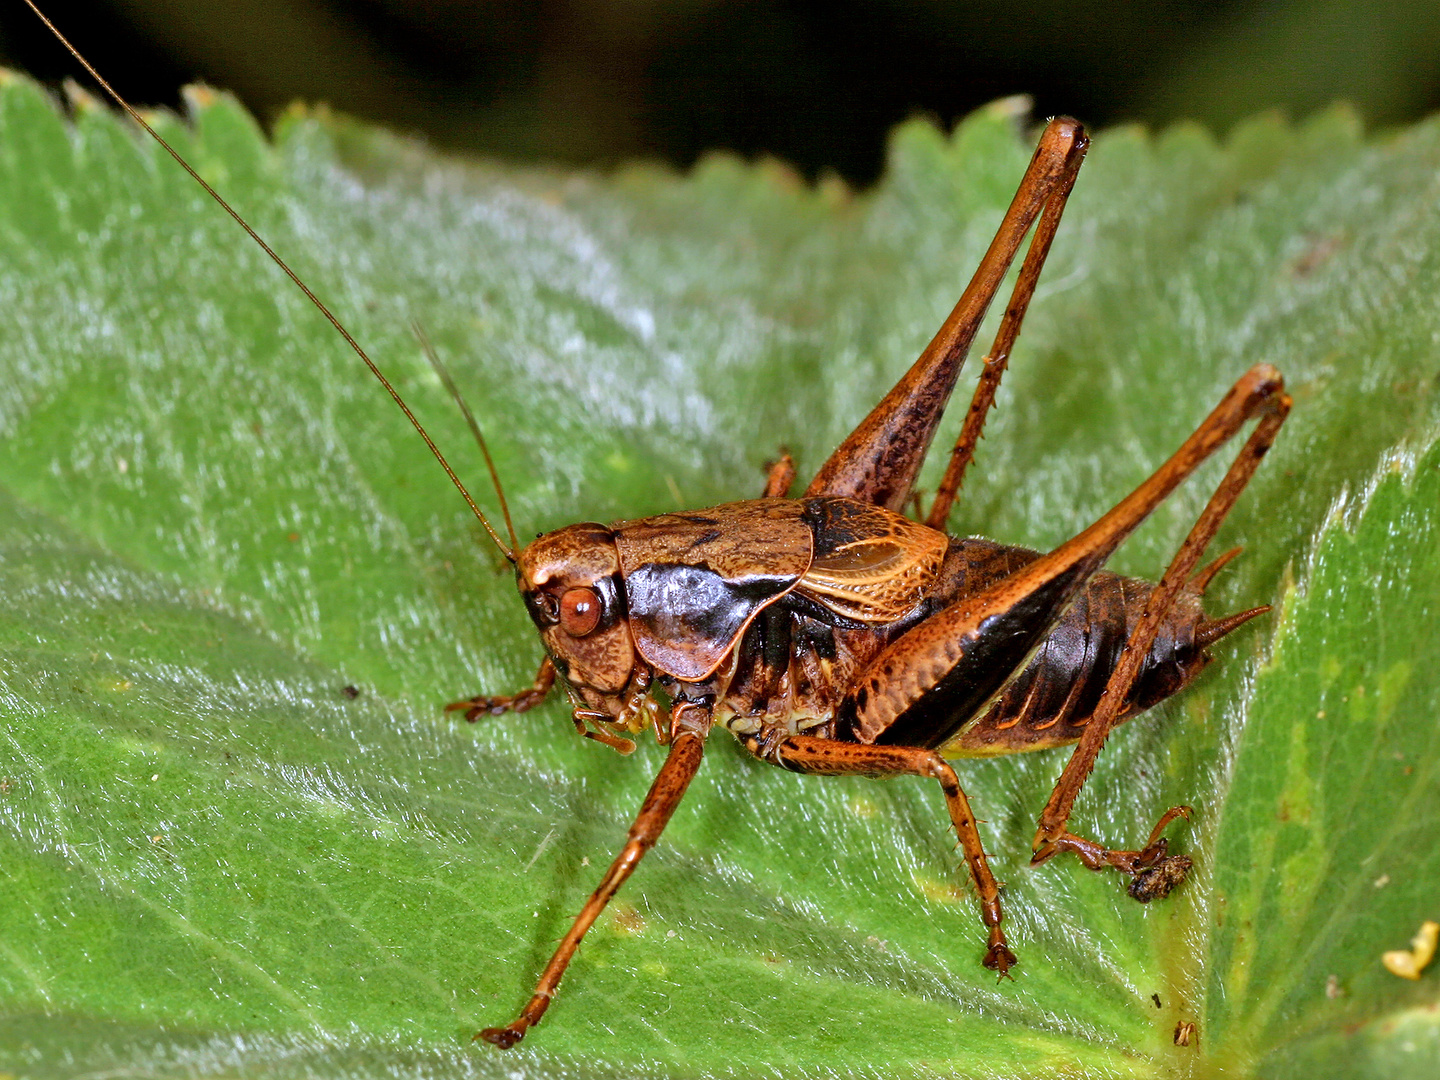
[215,860]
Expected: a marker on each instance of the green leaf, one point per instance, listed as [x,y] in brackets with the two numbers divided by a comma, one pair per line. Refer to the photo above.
[212,522]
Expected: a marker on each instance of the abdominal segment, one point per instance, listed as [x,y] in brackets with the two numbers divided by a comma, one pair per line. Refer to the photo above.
[1052,697]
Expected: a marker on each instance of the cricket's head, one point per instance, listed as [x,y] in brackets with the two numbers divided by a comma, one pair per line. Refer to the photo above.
[570,582]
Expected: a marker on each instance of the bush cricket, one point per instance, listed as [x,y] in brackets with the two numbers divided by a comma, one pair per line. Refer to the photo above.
[833,635]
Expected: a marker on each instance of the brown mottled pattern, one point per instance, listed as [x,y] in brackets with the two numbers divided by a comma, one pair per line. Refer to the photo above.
[879,570]
[757,537]
[696,580]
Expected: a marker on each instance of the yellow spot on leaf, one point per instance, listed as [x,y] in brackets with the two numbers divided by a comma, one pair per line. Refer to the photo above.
[1409,963]
[941,892]
[626,920]
[1393,682]
[863,808]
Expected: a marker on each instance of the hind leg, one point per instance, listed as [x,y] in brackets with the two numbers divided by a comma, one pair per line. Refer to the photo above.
[1156,871]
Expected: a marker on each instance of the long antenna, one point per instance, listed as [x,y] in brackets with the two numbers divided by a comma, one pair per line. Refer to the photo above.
[509,553]
[444,373]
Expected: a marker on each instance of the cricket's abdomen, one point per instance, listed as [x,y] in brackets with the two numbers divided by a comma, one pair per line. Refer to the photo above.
[1053,696]
[791,670]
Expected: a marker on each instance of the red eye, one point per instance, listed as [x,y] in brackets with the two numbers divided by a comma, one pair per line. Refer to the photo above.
[579,611]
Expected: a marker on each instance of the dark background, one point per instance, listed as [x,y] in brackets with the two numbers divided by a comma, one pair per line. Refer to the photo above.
[819,85]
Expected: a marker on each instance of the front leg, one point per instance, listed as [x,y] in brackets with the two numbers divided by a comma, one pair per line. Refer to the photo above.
[499,705]
[689,724]
[830,757]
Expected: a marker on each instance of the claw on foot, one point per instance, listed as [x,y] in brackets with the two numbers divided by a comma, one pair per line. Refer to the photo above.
[504,1038]
[999,958]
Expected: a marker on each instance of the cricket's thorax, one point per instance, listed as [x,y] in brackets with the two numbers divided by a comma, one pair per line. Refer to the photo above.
[794,663]
[796,659]
[772,631]
[785,675]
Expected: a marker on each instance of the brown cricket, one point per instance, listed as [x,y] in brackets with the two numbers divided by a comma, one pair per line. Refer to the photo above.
[833,635]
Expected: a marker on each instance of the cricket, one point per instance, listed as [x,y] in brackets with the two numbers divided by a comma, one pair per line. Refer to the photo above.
[831,633]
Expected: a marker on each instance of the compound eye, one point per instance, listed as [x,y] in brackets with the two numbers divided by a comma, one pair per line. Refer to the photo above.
[579,611]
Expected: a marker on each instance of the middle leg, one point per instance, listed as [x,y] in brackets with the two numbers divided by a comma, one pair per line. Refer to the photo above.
[830,757]
[779,475]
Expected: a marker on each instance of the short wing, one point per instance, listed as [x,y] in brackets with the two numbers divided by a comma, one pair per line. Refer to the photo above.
[695,581]
[869,565]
